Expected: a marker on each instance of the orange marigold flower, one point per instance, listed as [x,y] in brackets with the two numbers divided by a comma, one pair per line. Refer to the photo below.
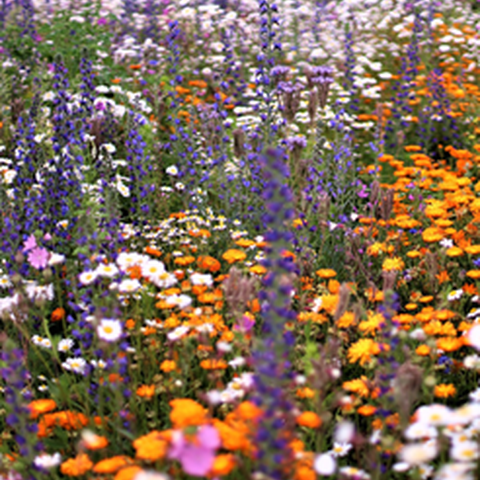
[305,472]
[362,351]
[39,407]
[305,392]
[454,252]
[248,411]
[128,473]
[153,446]
[186,412]
[112,464]
[475,274]
[213,364]
[423,350]
[233,255]
[146,391]
[168,366]
[449,344]
[346,320]
[233,436]
[309,419]
[58,314]
[432,234]
[258,270]
[184,261]
[445,390]
[74,467]
[358,386]
[208,263]
[153,251]
[223,465]
[326,273]
[366,410]
[413,148]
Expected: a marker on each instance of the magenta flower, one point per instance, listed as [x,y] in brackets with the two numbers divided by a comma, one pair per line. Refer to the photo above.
[38,257]
[196,456]
[245,324]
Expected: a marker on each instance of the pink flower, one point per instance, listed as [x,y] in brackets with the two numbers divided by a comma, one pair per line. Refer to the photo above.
[38,257]
[196,456]
[30,243]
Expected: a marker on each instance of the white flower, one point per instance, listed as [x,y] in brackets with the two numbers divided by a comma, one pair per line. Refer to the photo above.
[109,330]
[109,147]
[325,464]
[76,365]
[344,432]
[341,449]
[436,415]
[5,282]
[475,395]
[87,277]
[109,270]
[355,473]
[455,295]
[122,189]
[172,170]
[180,301]
[164,280]
[446,243]
[418,453]
[45,461]
[418,430]
[474,336]
[45,343]
[65,345]
[150,475]
[237,362]
[129,285]
[126,260]
[178,333]
[152,269]
[201,279]
[55,259]
[98,364]
[464,451]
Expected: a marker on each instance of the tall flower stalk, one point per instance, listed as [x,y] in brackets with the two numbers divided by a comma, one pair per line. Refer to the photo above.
[273,345]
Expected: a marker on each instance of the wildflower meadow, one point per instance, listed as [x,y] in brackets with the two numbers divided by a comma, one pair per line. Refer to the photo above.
[240,239]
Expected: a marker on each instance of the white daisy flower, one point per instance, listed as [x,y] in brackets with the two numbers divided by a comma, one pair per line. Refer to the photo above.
[419,453]
[65,345]
[109,270]
[201,279]
[464,451]
[87,277]
[129,285]
[152,269]
[109,330]
[341,449]
[76,365]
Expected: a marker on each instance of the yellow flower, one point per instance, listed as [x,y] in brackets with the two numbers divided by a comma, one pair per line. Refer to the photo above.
[233,255]
[363,350]
[393,264]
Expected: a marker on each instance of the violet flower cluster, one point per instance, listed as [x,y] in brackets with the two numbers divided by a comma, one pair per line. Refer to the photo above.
[271,353]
